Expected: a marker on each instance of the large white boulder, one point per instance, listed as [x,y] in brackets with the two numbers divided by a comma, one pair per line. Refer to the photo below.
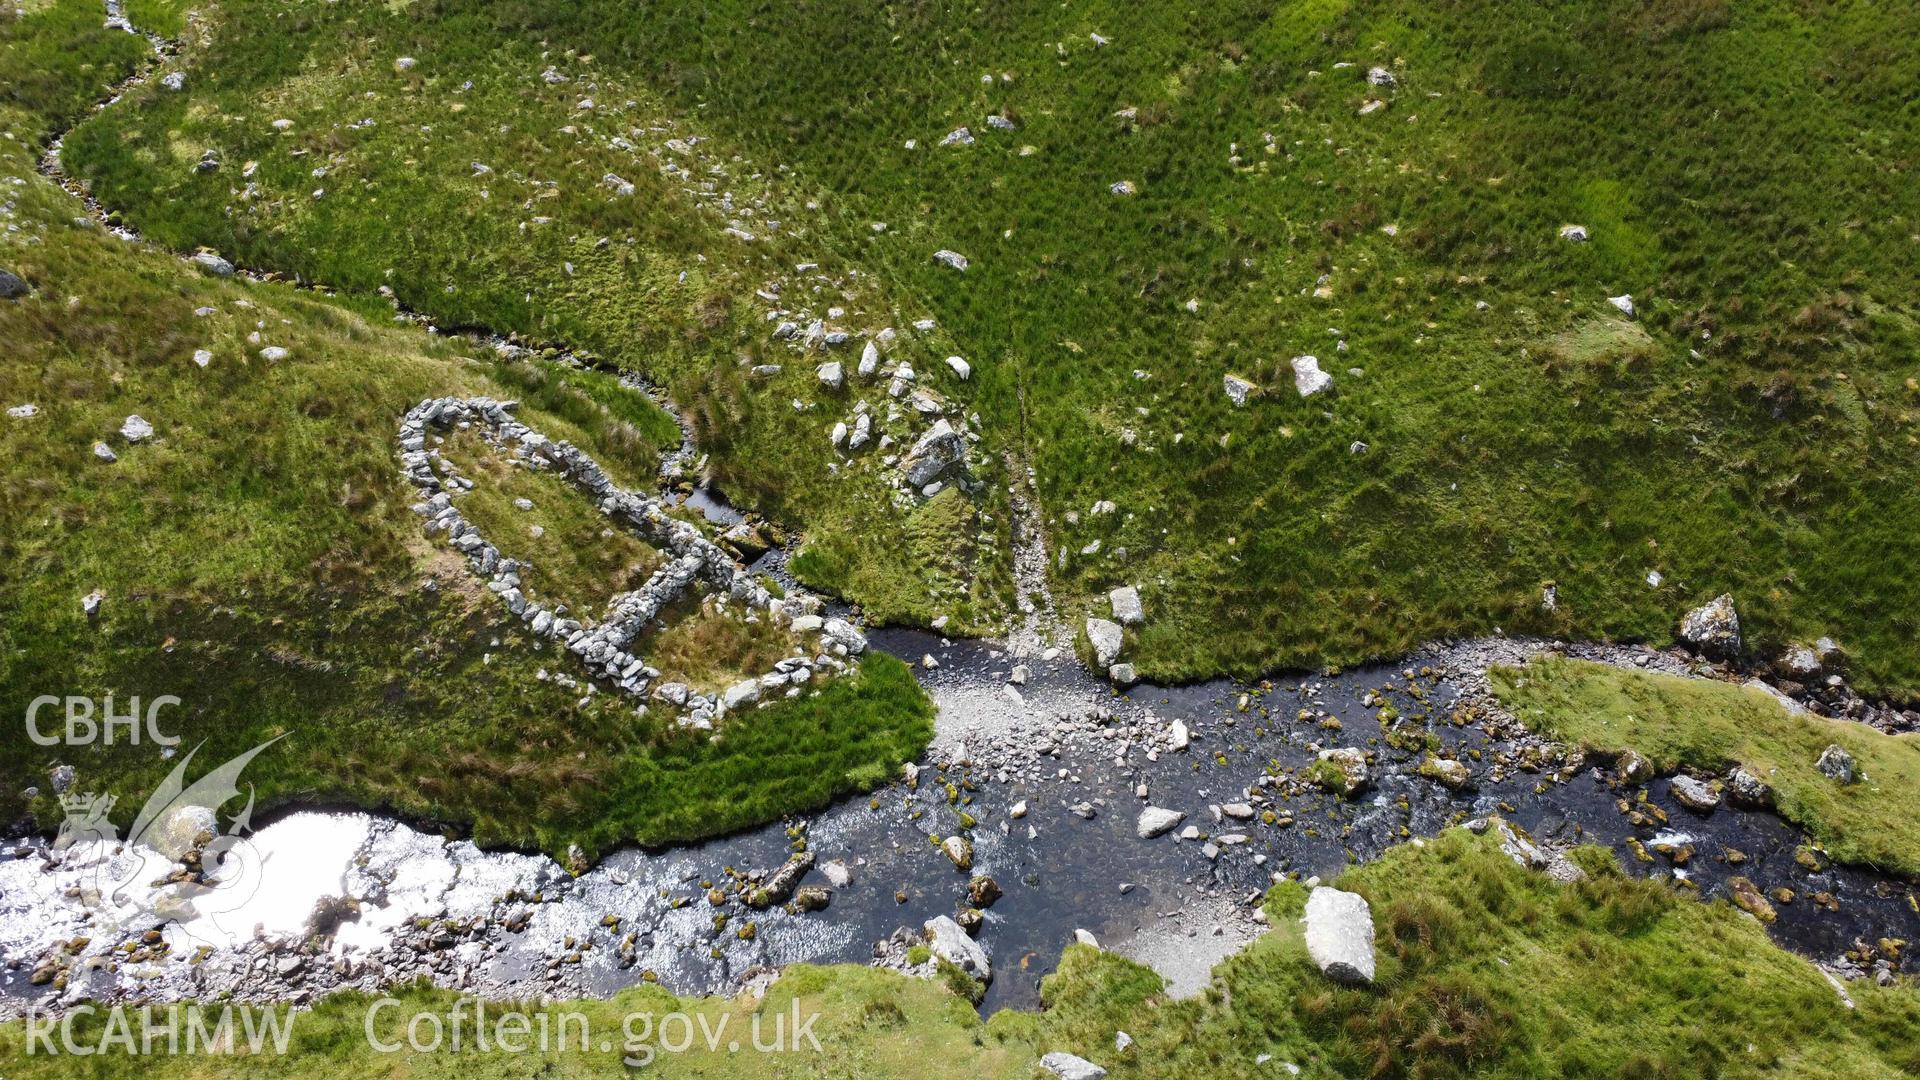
[950,943]
[1155,821]
[1307,376]
[1339,934]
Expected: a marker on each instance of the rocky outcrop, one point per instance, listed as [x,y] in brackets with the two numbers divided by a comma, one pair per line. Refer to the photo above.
[1339,934]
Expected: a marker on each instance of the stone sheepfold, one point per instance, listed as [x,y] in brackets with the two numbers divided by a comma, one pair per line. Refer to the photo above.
[694,561]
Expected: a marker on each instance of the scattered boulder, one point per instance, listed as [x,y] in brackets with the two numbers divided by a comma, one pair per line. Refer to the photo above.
[1123,188]
[1694,795]
[1106,638]
[1514,844]
[832,376]
[1748,789]
[938,453]
[1238,389]
[1447,772]
[1575,233]
[1748,898]
[960,850]
[1622,303]
[951,943]
[212,264]
[1126,606]
[1633,767]
[1070,1067]
[812,898]
[780,884]
[136,429]
[1836,763]
[1339,934]
[960,368]
[1123,674]
[1156,821]
[953,260]
[1713,628]
[105,453]
[1380,76]
[11,287]
[1343,770]
[1307,376]
[982,891]
[1800,661]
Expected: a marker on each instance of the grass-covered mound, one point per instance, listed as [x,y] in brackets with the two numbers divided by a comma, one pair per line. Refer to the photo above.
[1485,969]
[1711,725]
[1744,171]
[257,558]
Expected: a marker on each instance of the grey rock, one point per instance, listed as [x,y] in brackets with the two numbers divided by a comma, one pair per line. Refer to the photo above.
[1071,1067]
[212,264]
[1339,934]
[1238,389]
[952,944]
[937,454]
[1713,628]
[1351,762]
[11,287]
[1106,638]
[1836,763]
[1307,376]
[135,429]
[1694,795]
[1126,606]
[1156,821]
[1748,789]
[951,259]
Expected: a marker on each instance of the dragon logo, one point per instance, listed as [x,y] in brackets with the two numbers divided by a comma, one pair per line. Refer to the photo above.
[177,869]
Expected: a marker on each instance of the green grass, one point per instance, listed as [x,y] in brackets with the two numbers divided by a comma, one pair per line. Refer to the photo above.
[1713,725]
[1485,970]
[1751,434]
[259,560]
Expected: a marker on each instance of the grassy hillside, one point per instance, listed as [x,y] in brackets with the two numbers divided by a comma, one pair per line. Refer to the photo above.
[1484,970]
[257,558]
[1713,726]
[1744,172]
